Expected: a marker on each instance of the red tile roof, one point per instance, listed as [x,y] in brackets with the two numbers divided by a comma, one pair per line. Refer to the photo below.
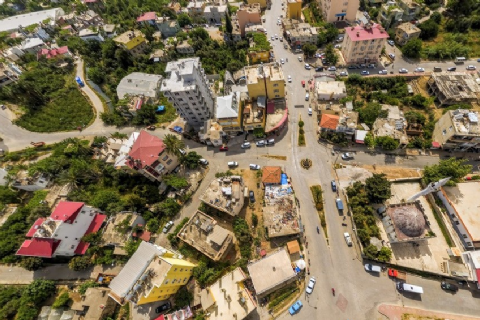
[147,16]
[272,175]
[96,223]
[67,210]
[38,247]
[329,121]
[34,228]
[361,33]
[52,53]
[145,150]
[82,248]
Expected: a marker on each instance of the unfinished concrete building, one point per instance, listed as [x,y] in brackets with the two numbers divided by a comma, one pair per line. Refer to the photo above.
[225,194]
[457,130]
[204,234]
[453,87]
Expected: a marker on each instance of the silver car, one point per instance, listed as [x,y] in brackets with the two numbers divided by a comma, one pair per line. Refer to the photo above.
[260,143]
[311,285]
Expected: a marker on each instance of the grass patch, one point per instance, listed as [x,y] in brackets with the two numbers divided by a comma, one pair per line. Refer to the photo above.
[169,114]
[283,295]
[317,195]
[66,110]
[441,224]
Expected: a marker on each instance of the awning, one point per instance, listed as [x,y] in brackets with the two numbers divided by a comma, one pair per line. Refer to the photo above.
[435,144]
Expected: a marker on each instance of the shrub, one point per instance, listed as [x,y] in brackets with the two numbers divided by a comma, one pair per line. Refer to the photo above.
[62,301]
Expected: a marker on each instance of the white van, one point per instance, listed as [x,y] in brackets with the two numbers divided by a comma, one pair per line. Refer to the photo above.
[460,60]
[402,286]
[348,240]
[307,96]
[232,163]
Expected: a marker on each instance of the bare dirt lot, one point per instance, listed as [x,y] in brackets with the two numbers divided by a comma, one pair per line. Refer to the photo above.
[393,173]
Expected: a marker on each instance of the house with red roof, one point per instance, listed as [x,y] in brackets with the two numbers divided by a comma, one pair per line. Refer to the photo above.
[364,43]
[329,122]
[61,233]
[147,18]
[61,52]
[148,156]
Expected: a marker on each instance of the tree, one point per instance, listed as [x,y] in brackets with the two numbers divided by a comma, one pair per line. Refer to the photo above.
[175,182]
[429,29]
[453,168]
[93,238]
[146,115]
[173,144]
[228,24]
[183,297]
[415,117]
[412,48]
[87,284]
[378,188]
[131,246]
[7,195]
[437,17]
[371,252]
[169,207]
[62,301]
[39,291]
[153,225]
[190,160]
[461,7]
[96,75]
[80,263]
[385,254]
[387,143]
[330,54]
[370,113]
[184,19]
[309,49]
[369,140]
[31,263]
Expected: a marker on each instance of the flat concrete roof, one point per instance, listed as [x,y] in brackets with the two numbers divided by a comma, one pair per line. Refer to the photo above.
[280,212]
[465,198]
[271,271]
[225,194]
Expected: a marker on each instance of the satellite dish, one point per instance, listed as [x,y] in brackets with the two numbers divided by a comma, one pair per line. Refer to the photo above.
[434,186]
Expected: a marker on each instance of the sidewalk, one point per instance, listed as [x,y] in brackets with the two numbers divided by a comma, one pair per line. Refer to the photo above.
[18,275]
[393,312]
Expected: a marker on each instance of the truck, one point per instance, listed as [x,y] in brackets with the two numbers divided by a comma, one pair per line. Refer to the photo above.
[402,286]
[79,82]
[395,274]
[339,203]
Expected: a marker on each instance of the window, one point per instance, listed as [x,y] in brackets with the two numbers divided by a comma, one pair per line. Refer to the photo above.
[185,279]
[457,222]
[165,158]
[176,94]
[196,109]
[464,236]
[166,281]
[174,280]
[194,104]
[202,118]
[175,269]
[444,132]
[181,269]
[275,84]
[190,98]
[277,96]
[169,161]
[180,99]
[276,90]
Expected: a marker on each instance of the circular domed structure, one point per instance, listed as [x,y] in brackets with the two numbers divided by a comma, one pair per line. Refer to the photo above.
[409,220]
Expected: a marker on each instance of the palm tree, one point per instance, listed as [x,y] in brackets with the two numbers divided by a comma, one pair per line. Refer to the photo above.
[173,144]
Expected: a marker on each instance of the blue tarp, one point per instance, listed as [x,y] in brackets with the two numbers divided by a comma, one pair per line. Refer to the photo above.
[177,129]
[160,108]
[284,179]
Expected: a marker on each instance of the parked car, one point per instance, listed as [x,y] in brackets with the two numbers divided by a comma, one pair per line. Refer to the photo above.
[167,226]
[310,112]
[365,73]
[452,69]
[300,59]
[391,42]
[3,107]
[223,148]
[347,156]
[338,46]
[348,239]
[251,195]
[311,285]
[334,185]
[289,78]
[232,163]
[340,39]
[295,307]
[403,70]
[282,61]
[203,162]
[352,67]
[260,143]
[182,152]
[163,307]
[344,74]
[383,72]
[246,145]
[419,69]
[270,142]
[449,287]
[254,166]
[470,67]
[307,66]
[318,69]
[332,68]
[371,66]
[392,56]
[372,268]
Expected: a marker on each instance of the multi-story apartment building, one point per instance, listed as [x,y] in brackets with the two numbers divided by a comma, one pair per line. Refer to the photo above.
[152,274]
[148,156]
[133,41]
[8,73]
[339,10]
[262,3]
[457,130]
[186,87]
[294,9]
[411,8]
[229,112]
[265,80]
[453,88]
[299,34]
[364,43]
[246,16]
[406,32]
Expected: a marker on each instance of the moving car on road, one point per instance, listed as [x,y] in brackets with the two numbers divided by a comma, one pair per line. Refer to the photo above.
[392,56]
[334,186]
[348,239]
[282,61]
[300,59]
[295,307]
[289,78]
[311,285]
[310,112]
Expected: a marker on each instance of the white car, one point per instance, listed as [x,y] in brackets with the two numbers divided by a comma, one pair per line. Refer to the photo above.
[383,72]
[310,112]
[338,46]
[340,39]
[391,42]
[260,143]
[403,70]
[276,37]
[348,239]
[232,163]
[332,69]
[254,166]
[470,67]
[307,66]
[311,285]
[273,38]
[282,61]
[167,226]
[347,156]
[289,78]
[300,59]
[419,69]
[392,56]
[344,74]
[246,145]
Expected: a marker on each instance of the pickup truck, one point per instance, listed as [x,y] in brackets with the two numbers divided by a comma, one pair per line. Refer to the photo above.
[395,274]
[339,203]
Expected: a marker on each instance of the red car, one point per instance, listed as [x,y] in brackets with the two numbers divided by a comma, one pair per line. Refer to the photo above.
[223,148]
